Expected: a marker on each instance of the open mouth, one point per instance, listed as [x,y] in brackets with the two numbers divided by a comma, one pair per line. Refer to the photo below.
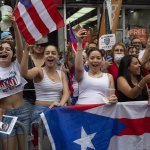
[50,60]
[4,56]
[95,65]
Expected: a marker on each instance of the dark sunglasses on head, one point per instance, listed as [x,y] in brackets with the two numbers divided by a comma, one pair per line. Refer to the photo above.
[42,45]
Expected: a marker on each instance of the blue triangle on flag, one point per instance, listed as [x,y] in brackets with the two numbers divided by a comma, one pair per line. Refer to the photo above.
[65,126]
[26,3]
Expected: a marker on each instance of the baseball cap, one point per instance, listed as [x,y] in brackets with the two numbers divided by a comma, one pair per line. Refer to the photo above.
[5,35]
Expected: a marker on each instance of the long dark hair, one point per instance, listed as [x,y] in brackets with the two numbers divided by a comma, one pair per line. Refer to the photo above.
[124,71]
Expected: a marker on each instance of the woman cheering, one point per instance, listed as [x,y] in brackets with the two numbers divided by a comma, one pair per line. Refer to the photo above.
[92,84]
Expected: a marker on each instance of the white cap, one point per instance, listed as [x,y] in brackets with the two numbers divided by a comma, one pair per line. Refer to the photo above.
[42,40]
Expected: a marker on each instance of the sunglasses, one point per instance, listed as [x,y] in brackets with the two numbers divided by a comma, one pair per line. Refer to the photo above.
[42,45]
[121,50]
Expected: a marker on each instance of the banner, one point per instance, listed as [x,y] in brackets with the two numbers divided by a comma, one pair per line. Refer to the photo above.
[121,126]
[140,33]
[115,12]
[116,6]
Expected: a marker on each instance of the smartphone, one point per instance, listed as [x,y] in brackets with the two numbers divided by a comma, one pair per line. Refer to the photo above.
[109,57]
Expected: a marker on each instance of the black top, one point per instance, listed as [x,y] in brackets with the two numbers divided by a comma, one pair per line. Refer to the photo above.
[29,92]
[142,96]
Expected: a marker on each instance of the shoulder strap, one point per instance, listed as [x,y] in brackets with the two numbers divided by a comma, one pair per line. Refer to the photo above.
[60,74]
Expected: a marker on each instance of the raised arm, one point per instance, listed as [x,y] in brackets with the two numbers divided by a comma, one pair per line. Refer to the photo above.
[79,69]
[28,73]
[18,38]
[146,55]
[127,90]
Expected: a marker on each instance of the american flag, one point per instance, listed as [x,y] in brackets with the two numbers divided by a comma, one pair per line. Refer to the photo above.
[36,18]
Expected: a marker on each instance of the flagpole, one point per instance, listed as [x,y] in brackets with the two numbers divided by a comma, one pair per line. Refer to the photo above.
[123,23]
[65,27]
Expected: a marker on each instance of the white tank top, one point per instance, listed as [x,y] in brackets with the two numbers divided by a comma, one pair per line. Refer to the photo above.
[92,90]
[11,81]
[47,90]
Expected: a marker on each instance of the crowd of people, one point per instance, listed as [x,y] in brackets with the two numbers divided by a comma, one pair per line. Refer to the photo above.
[31,81]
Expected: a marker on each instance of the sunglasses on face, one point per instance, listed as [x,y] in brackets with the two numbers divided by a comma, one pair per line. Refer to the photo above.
[119,50]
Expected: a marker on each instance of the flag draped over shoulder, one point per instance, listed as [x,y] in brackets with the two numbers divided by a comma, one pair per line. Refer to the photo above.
[123,126]
[36,18]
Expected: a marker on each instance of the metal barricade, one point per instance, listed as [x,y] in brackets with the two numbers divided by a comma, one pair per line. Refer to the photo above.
[39,127]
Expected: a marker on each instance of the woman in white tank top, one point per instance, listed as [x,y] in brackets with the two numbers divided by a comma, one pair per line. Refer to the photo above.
[92,84]
[51,85]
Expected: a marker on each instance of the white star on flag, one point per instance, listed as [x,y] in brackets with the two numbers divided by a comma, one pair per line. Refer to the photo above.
[86,140]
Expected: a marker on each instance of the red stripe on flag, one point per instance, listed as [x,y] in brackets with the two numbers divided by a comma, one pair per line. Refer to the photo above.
[26,34]
[135,126]
[54,13]
[41,27]
[74,45]
[58,2]
[84,107]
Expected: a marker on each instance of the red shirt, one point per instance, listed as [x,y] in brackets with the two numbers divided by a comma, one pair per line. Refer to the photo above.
[113,70]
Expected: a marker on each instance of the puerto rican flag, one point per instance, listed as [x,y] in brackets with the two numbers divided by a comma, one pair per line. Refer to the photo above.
[37,18]
[121,126]
[72,39]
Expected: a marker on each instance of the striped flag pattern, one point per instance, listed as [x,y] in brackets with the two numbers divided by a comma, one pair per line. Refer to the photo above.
[72,39]
[36,18]
[121,126]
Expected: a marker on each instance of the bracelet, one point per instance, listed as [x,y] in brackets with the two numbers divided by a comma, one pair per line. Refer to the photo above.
[139,86]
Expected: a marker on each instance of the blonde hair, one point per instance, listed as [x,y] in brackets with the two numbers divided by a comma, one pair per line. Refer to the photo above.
[120,44]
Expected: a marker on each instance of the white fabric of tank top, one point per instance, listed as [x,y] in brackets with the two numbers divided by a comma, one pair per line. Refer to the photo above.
[92,90]
[48,90]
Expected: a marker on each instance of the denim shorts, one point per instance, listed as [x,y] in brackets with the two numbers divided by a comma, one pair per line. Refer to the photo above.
[23,114]
[37,110]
